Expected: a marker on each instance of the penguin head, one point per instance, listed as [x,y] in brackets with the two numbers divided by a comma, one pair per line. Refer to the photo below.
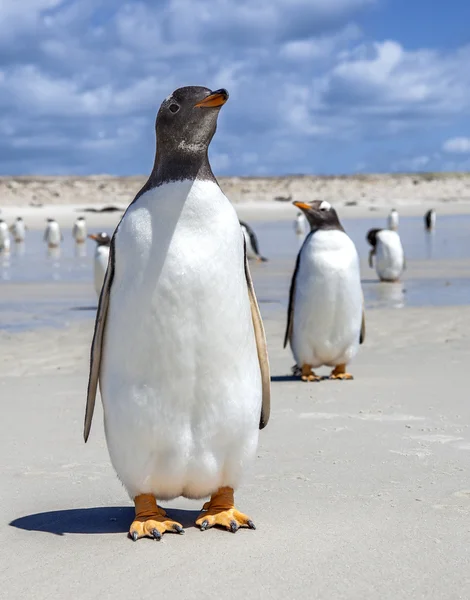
[187,120]
[102,238]
[50,220]
[320,214]
[19,218]
[80,218]
[372,236]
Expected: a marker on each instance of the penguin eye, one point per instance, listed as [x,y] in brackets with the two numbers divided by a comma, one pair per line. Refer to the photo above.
[324,206]
[174,108]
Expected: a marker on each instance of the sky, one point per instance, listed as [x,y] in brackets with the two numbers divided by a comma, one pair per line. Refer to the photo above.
[316,86]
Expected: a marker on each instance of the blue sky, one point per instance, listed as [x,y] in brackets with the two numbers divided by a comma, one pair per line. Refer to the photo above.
[316,86]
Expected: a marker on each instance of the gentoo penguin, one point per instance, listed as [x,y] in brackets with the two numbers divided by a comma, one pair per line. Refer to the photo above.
[393,219]
[430,220]
[179,347]
[52,234]
[300,225]
[4,237]
[101,258]
[18,230]
[325,319]
[388,252]
[79,230]
[251,241]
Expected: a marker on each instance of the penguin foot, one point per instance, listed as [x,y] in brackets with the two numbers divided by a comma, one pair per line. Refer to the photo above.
[308,375]
[339,372]
[151,520]
[220,511]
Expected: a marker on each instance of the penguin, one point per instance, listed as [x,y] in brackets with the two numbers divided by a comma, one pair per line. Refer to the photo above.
[4,237]
[18,230]
[430,220]
[79,231]
[252,247]
[101,258]
[325,318]
[388,250]
[300,225]
[179,348]
[52,234]
[393,220]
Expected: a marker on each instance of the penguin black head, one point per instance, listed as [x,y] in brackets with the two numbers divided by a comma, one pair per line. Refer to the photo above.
[50,220]
[372,236]
[2,221]
[320,215]
[80,218]
[187,119]
[102,239]
[19,218]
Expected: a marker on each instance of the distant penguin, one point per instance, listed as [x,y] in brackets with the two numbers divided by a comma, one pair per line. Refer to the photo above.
[388,252]
[103,242]
[79,230]
[18,230]
[325,319]
[300,224]
[179,350]
[393,219]
[430,220]
[52,234]
[4,237]
[252,247]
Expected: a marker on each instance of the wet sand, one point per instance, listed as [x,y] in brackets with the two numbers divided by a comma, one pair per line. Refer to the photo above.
[360,489]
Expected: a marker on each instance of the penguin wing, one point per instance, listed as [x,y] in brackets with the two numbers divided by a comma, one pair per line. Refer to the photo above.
[290,310]
[261,347]
[97,343]
[362,335]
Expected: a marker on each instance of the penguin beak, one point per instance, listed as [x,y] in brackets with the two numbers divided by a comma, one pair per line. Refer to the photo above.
[302,205]
[214,99]
[93,236]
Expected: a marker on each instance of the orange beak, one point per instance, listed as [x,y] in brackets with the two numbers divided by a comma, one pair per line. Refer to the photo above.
[93,236]
[302,205]
[213,100]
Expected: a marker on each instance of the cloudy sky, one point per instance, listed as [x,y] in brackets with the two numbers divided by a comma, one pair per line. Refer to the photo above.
[316,86]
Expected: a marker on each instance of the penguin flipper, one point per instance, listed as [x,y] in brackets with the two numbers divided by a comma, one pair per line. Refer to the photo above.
[97,343]
[290,310]
[362,335]
[261,347]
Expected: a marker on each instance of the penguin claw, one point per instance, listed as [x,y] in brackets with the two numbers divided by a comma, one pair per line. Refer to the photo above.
[233,526]
[251,525]
[156,534]
[204,525]
[134,535]
[178,528]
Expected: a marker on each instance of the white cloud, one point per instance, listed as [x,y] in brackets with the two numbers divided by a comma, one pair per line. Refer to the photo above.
[457,145]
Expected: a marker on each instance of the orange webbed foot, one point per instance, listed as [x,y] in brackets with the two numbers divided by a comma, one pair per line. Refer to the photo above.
[220,511]
[151,520]
[339,372]
[308,375]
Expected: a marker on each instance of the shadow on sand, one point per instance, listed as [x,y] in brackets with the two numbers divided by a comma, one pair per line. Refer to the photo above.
[106,519]
[279,378]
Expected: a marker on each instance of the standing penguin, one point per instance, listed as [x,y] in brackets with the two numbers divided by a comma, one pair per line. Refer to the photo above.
[251,241]
[4,237]
[300,224]
[393,219]
[325,319]
[79,231]
[101,258]
[186,393]
[388,252]
[430,220]
[52,234]
[18,230]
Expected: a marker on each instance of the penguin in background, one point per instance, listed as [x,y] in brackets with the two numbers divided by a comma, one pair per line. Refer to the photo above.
[4,237]
[79,231]
[179,348]
[18,230]
[325,318]
[393,220]
[52,234]
[389,255]
[100,263]
[300,224]
[252,246]
[430,220]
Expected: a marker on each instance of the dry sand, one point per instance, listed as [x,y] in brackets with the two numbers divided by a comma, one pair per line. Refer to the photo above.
[360,490]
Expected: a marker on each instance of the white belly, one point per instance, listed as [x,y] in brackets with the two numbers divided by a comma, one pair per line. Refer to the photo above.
[4,238]
[19,232]
[101,264]
[328,301]
[393,221]
[250,252]
[79,232]
[389,256]
[52,234]
[180,378]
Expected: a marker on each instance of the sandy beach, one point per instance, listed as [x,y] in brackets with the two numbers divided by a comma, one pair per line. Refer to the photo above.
[360,489]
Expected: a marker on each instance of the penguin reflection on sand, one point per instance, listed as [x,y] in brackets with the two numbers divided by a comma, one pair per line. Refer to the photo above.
[325,319]
[393,220]
[79,231]
[388,252]
[430,220]
[252,246]
[52,234]
[4,237]
[101,258]
[179,347]
[18,230]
